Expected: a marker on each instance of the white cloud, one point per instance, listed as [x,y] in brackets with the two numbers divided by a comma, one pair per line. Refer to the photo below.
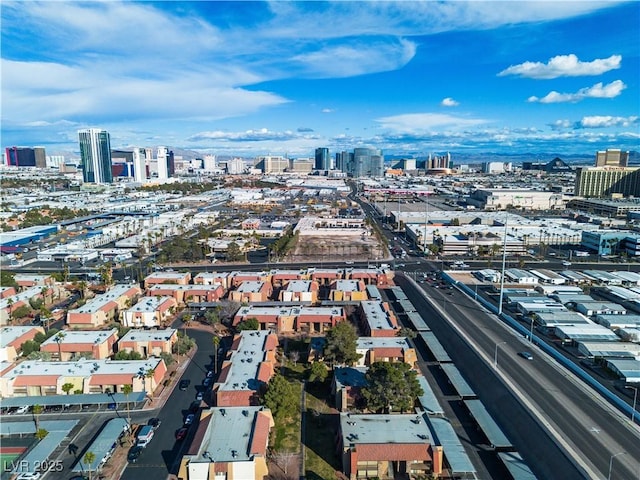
[327,110]
[259,135]
[561,124]
[598,90]
[563,66]
[449,102]
[597,121]
[417,122]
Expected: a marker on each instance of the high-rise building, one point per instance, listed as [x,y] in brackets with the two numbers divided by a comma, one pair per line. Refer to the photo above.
[140,164]
[603,182]
[612,157]
[236,166]
[95,155]
[344,161]
[367,162]
[26,157]
[323,160]
[301,165]
[271,163]
[438,162]
[162,158]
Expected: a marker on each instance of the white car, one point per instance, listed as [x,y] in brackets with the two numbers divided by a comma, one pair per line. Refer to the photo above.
[566,263]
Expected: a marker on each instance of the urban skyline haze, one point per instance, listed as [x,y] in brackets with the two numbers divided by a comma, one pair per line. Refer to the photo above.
[252,78]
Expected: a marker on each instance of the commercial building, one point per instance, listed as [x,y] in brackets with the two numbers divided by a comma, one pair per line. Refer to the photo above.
[26,157]
[603,182]
[271,163]
[612,157]
[525,199]
[231,442]
[95,154]
[322,160]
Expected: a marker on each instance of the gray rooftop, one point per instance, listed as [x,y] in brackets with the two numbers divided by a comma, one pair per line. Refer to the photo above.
[495,435]
[428,399]
[457,380]
[518,469]
[383,428]
[103,444]
[434,346]
[350,376]
[229,435]
[454,452]
[377,317]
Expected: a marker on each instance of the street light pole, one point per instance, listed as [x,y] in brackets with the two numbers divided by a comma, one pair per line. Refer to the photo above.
[635,399]
[504,261]
[531,331]
[611,462]
[495,355]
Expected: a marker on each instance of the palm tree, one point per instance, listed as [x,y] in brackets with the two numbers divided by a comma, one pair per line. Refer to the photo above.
[127,389]
[67,387]
[88,459]
[37,411]
[186,321]
[58,339]
[41,433]
[216,343]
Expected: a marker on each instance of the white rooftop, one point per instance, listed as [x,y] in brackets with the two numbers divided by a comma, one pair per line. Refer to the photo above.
[82,368]
[11,333]
[81,336]
[143,335]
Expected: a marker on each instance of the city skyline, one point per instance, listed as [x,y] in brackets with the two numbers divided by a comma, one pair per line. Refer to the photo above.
[285,78]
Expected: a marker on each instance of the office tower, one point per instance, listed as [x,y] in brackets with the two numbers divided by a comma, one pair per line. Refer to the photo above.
[95,154]
[26,157]
[210,163]
[323,161]
[602,182]
[55,161]
[612,158]
[344,161]
[140,165]
[162,157]
[367,162]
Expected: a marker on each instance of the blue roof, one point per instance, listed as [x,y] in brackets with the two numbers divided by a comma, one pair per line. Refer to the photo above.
[79,399]
[436,348]
[454,452]
[516,466]
[428,399]
[103,445]
[492,431]
[458,381]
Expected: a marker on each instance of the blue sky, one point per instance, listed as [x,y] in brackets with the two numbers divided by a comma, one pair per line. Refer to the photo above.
[250,78]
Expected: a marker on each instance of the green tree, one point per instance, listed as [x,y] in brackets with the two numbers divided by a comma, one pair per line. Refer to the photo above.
[36,411]
[318,372]
[167,357]
[391,385]
[20,312]
[7,279]
[186,321]
[88,460]
[407,333]
[233,252]
[212,316]
[29,346]
[41,433]
[280,397]
[341,345]
[248,324]
[67,387]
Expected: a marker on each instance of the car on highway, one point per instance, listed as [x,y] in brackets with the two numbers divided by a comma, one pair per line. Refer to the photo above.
[566,263]
[184,384]
[189,419]
[526,355]
[134,453]
[180,434]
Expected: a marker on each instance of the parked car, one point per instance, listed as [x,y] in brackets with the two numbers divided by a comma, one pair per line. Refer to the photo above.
[199,396]
[210,374]
[180,434]
[134,453]
[29,476]
[154,422]
[207,382]
[184,384]
[189,419]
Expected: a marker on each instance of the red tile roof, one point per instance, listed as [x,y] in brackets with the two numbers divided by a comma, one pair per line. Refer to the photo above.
[393,451]
[260,435]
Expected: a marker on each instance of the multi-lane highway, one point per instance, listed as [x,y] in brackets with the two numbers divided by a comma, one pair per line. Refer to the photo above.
[562,428]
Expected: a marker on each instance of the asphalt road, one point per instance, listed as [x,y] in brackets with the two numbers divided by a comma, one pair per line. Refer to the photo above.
[583,421]
[162,455]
